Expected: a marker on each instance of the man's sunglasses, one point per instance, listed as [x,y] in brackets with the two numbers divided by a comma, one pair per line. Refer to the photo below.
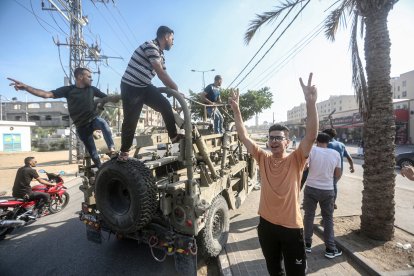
[277,138]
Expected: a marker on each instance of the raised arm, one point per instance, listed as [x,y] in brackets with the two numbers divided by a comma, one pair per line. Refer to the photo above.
[311,94]
[241,130]
[163,76]
[18,85]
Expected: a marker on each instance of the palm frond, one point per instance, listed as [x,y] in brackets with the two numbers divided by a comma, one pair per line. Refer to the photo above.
[358,73]
[338,17]
[268,17]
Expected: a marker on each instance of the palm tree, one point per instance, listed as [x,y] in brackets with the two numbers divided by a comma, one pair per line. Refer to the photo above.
[374,97]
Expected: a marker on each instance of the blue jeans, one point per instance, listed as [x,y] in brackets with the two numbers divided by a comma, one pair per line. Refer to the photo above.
[85,134]
[215,114]
[311,197]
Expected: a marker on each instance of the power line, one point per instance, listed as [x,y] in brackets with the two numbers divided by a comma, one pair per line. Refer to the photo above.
[119,26]
[51,15]
[126,23]
[297,48]
[293,20]
[261,47]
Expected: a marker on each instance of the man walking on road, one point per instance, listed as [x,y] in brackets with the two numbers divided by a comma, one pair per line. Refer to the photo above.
[341,149]
[280,229]
[81,105]
[324,165]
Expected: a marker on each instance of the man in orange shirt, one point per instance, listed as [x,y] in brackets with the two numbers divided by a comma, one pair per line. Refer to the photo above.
[280,229]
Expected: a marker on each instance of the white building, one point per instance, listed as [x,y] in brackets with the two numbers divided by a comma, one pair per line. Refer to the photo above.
[15,136]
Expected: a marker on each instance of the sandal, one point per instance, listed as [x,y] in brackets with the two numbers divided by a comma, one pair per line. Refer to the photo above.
[122,156]
[177,138]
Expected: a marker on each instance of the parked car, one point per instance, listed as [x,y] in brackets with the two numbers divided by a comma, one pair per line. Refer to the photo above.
[405,159]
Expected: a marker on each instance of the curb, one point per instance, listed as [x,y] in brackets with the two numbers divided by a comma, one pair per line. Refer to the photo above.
[360,260]
[224,264]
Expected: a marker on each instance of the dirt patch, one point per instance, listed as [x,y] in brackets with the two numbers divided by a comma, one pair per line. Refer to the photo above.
[386,256]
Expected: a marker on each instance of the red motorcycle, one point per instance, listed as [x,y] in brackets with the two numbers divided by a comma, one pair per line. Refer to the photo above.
[15,212]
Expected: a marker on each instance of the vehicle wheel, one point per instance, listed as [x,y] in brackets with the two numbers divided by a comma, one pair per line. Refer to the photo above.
[125,195]
[405,162]
[57,204]
[214,236]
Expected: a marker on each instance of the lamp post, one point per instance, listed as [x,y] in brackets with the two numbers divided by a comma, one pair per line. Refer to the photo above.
[203,72]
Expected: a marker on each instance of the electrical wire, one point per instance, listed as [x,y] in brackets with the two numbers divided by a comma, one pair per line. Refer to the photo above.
[126,23]
[61,64]
[261,47]
[293,20]
[119,26]
[37,19]
[51,15]
[297,48]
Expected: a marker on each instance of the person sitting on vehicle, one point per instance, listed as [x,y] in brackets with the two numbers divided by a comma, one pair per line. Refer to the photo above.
[280,228]
[211,95]
[22,189]
[81,105]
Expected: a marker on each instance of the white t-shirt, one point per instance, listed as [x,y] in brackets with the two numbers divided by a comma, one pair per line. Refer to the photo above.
[322,164]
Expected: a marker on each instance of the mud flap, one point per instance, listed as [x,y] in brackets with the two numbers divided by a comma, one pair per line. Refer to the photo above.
[93,234]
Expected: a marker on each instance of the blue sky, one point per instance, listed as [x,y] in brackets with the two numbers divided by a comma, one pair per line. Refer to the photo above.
[208,34]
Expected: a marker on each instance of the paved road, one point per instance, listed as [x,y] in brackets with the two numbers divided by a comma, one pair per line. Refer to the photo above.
[57,245]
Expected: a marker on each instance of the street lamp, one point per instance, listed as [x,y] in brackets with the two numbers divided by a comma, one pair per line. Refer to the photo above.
[203,71]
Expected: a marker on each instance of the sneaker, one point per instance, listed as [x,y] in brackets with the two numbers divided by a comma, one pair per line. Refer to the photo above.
[122,156]
[332,253]
[308,247]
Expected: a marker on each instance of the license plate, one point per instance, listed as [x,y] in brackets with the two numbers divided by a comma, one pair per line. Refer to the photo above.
[93,234]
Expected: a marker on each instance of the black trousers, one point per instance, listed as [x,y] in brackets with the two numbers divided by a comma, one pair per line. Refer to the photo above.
[280,244]
[133,99]
[41,198]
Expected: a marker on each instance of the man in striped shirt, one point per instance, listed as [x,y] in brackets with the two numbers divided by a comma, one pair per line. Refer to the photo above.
[136,88]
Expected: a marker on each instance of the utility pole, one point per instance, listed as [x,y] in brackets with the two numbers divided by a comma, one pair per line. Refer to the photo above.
[80,53]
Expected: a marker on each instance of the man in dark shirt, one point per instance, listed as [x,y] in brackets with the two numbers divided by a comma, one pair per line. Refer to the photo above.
[81,105]
[22,189]
[136,88]
[211,95]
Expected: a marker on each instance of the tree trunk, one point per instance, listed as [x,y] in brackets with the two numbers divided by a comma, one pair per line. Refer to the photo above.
[378,206]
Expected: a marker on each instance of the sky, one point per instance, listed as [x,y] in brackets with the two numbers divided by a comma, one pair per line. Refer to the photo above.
[208,35]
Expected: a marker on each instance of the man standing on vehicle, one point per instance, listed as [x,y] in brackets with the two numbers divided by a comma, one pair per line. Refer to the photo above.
[339,147]
[324,165]
[211,95]
[22,189]
[137,89]
[280,228]
[81,105]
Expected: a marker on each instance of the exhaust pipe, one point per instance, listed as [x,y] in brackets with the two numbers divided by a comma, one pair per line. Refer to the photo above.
[11,223]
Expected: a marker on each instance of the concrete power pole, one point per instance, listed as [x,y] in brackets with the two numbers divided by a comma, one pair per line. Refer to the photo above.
[80,53]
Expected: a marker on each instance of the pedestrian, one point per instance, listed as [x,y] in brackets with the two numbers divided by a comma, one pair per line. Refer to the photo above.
[280,229]
[294,141]
[408,171]
[211,95]
[22,189]
[81,106]
[341,149]
[136,88]
[324,164]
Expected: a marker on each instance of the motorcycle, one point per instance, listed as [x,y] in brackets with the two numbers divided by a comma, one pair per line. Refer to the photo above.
[15,212]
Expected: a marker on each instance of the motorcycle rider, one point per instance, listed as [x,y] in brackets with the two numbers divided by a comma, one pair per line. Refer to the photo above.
[22,189]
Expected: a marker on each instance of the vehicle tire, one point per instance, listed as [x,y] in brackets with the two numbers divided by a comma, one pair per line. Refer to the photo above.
[213,237]
[57,204]
[125,195]
[405,162]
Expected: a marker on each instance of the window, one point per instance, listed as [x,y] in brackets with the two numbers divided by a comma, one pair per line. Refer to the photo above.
[65,118]
[404,83]
[48,105]
[398,88]
[404,94]
[34,118]
[18,118]
[340,108]
[33,105]
[48,118]
[17,106]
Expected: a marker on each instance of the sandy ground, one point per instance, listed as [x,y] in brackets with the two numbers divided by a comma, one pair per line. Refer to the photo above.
[49,161]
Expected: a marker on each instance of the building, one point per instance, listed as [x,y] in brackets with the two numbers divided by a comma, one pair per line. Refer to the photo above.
[346,119]
[43,113]
[15,136]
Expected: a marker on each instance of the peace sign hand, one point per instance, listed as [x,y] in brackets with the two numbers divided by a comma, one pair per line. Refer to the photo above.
[310,91]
